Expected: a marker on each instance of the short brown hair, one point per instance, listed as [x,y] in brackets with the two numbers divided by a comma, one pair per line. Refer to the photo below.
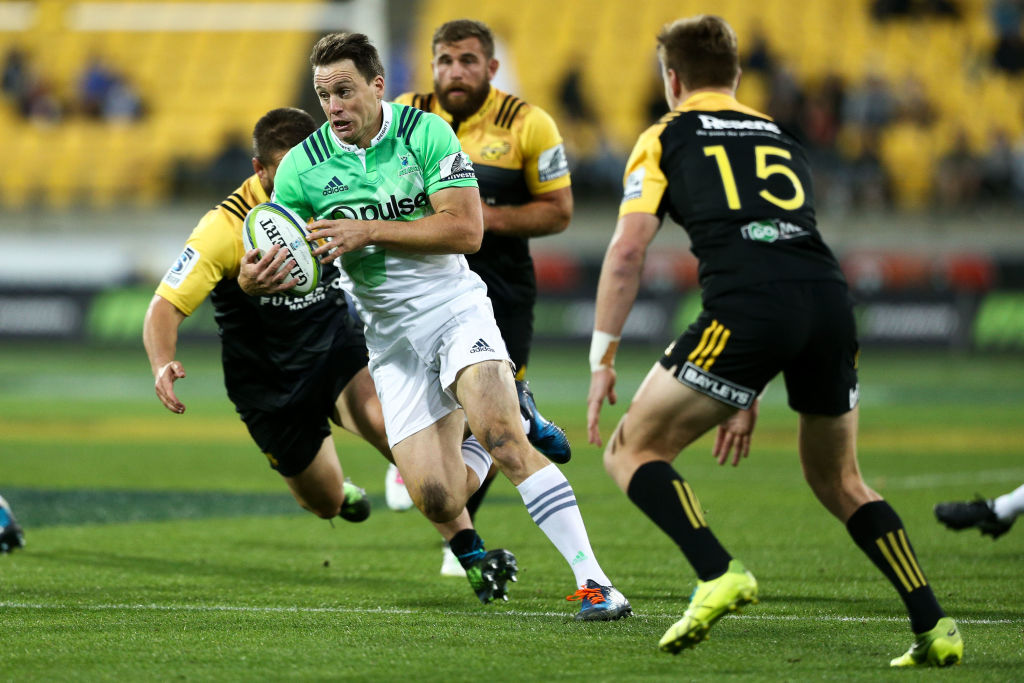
[279,130]
[335,47]
[702,50]
[461,29]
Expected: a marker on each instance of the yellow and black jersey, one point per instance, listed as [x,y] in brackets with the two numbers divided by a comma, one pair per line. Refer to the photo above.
[517,153]
[270,344]
[740,186]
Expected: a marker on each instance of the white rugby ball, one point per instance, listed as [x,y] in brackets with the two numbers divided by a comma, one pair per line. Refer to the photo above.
[268,224]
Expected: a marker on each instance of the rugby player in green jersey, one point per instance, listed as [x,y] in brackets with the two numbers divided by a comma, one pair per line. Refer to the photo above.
[291,364]
[395,195]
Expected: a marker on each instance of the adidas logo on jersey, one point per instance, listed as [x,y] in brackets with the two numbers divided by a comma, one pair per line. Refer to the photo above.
[480,345]
[333,186]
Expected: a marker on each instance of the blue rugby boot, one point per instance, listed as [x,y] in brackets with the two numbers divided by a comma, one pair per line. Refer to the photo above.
[545,435]
[600,603]
[11,535]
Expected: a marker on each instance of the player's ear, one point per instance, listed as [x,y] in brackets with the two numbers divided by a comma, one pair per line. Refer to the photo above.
[675,86]
[265,174]
[492,68]
[672,80]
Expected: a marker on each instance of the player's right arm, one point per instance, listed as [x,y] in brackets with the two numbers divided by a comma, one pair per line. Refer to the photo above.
[616,292]
[619,283]
[160,337]
[212,253]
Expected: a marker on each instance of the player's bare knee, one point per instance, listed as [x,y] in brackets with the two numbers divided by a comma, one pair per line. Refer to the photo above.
[504,447]
[437,503]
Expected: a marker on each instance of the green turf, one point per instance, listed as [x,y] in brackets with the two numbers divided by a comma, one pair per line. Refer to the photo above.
[162,547]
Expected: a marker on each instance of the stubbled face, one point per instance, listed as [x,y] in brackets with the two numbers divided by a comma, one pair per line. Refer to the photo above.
[352,105]
[462,76]
[267,172]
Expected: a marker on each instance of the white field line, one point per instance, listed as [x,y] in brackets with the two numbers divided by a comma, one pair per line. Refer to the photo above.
[1010,477]
[484,613]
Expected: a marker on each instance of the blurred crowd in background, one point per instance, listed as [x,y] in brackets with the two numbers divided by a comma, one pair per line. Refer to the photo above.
[102,92]
[843,122]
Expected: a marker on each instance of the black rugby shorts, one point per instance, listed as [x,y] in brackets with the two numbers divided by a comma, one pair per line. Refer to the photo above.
[516,325]
[291,436]
[744,338]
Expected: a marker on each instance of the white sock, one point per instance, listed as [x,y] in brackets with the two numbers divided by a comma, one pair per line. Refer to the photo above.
[526,424]
[477,459]
[550,500]
[1008,506]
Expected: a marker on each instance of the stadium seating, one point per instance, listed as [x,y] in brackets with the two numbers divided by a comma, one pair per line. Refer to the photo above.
[197,85]
[205,81]
[614,43]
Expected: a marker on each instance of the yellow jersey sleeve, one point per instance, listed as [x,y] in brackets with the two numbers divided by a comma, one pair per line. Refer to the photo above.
[405,98]
[644,183]
[545,166]
[212,253]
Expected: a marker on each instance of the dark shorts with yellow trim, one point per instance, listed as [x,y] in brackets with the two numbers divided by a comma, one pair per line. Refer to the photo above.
[742,339]
[516,325]
[291,436]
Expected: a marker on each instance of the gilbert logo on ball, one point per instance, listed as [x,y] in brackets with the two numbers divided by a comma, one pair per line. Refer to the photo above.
[268,224]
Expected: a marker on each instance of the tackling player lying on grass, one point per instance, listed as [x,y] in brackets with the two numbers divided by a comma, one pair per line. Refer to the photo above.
[409,212]
[774,301]
[12,536]
[521,168]
[291,364]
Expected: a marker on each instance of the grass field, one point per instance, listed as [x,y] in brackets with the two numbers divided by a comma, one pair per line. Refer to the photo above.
[162,547]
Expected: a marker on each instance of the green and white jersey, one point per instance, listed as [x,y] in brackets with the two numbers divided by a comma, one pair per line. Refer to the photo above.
[414,155]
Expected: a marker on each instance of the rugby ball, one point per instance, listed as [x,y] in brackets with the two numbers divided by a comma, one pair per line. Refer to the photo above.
[268,224]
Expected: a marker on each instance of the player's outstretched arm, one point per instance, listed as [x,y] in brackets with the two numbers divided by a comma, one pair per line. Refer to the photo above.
[616,292]
[267,275]
[735,433]
[455,227]
[160,337]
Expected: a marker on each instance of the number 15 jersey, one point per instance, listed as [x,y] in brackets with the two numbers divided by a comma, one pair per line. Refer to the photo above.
[741,188]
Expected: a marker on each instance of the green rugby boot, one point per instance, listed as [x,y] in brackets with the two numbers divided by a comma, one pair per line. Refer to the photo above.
[490,575]
[356,507]
[941,646]
[711,600]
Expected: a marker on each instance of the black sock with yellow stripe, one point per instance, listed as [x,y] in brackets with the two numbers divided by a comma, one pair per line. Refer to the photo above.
[658,490]
[877,529]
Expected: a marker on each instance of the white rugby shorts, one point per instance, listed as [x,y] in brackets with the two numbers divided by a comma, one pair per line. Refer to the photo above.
[415,373]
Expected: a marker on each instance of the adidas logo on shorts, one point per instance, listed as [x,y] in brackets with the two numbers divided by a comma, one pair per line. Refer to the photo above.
[480,345]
